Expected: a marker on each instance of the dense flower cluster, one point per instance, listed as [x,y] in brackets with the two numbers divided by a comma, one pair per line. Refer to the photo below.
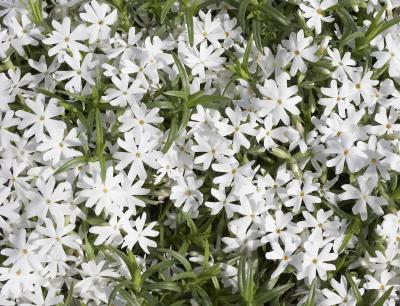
[187,151]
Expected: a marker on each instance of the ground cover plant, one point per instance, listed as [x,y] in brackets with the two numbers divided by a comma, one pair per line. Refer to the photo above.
[237,152]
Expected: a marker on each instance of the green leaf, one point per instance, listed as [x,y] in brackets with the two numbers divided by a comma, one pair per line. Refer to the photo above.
[128,298]
[189,24]
[203,298]
[204,5]
[117,289]
[123,256]
[352,36]
[192,226]
[384,297]
[354,287]
[353,228]
[173,131]
[242,13]
[281,153]
[245,279]
[103,167]
[245,62]
[183,275]
[167,6]
[71,163]
[89,249]
[165,264]
[256,25]
[264,296]
[179,257]
[365,244]
[386,25]
[68,299]
[276,14]
[338,211]
[150,299]
[75,96]
[311,299]
[183,75]
[209,101]
[177,94]
[184,120]
[171,286]
[347,19]
[99,133]
[376,28]
[376,21]
[35,7]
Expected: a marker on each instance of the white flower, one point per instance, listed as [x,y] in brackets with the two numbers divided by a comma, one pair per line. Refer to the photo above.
[346,152]
[224,201]
[45,72]
[140,149]
[391,54]
[277,100]
[47,198]
[207,29]
[125,93]
[95,280]
[279,227]
[186,192]
[22,253]
[206,57]
[142,121]
[57,147]
[317,253]
[213,147]
[269,134]
[55,238]
[299,192]
[359,85]
[246,239]
[41,118]
[38,298]
[111,232]
[237,128]
[381,283]
[139,234]
[285,256]
[342,294]
[344,65]
[315,13]
[298,48]
[336,98]
[363,197]
[7,120]
[64,39]
[79,70]
[96,14]
[103,195]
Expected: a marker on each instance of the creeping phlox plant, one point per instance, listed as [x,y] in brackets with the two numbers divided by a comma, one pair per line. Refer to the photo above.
[237,152]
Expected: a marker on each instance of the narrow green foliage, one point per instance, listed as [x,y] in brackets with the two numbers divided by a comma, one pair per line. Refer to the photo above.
[264,296]
[384,297]
[35,6]
[189,23]
[173,131]
[356,291]
[182,75]
[177,256]
[167,6]
[68,298]
[311,299]
[353,229]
